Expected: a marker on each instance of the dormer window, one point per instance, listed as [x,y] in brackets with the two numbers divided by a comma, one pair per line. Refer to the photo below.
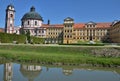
[93,25]
[90,24]
[68,20]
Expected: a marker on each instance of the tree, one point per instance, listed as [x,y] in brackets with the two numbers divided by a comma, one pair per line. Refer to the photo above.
[28,36]
[22,32]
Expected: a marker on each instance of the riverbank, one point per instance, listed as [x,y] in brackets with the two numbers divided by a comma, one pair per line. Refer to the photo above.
[59,55]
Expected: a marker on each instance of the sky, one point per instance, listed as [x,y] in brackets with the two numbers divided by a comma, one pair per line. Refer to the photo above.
[57,10]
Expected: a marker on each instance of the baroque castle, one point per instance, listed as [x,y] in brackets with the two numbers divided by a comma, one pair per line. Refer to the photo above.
[68,32]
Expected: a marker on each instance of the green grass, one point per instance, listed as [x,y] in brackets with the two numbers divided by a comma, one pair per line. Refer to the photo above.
[87,42]
[52,54]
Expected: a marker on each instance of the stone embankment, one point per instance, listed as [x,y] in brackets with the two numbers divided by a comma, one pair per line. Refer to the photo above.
[106,52]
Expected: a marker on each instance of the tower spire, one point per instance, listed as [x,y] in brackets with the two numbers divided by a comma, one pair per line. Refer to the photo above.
[11,1]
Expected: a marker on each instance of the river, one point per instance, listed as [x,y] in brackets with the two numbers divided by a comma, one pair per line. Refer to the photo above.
[29,72]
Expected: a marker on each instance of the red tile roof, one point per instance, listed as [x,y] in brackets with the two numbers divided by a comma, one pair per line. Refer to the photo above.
[57,25]
[98,25]
[53,26]
[78,25]
[1,29]
[45,25]
[103,25]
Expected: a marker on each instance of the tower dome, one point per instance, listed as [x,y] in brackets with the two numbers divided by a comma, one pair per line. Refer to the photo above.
[10,5]
[68,19]
[32,15]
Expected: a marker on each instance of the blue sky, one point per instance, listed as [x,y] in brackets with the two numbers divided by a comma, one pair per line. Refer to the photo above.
[58,10]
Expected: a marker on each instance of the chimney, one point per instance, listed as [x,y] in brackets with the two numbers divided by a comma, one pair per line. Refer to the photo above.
[48,22]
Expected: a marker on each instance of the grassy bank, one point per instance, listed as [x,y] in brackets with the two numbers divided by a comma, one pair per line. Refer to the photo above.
[53,54]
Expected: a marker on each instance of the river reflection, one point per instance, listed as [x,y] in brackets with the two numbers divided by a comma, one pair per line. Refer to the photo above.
[29,72]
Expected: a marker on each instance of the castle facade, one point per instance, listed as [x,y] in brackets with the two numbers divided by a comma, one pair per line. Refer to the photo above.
[68,32]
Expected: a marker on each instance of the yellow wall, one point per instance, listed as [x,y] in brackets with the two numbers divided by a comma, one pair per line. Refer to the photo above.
[115,33]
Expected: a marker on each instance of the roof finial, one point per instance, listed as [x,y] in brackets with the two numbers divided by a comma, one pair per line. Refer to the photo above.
[32,9]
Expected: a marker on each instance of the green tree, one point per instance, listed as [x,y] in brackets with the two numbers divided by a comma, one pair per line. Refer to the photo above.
[28,36]
[22,32]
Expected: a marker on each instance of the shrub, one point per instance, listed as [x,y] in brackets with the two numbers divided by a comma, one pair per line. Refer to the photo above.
[9,38]
[37,40]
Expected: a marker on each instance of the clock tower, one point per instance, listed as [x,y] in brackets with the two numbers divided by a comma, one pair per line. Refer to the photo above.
[9,21]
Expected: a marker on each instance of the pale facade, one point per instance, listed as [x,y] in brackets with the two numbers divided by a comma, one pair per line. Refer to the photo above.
[17,30]
[32,22]
[78,32]
[54,34]
[90,32]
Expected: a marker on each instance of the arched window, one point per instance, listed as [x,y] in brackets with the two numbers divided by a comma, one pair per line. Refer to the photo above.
[28,22]
[35,22]
[11,15]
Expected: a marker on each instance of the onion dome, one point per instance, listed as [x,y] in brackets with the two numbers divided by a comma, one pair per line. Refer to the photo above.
[32,15]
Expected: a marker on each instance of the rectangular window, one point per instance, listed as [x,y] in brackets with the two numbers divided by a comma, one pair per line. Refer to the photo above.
[68,36]
[42,31]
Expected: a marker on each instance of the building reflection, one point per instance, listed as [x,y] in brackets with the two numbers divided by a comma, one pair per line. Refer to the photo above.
[67,72]
[30,71]
[8,72]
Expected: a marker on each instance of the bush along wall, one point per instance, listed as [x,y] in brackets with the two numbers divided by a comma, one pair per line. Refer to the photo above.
[9,38]
[37,40]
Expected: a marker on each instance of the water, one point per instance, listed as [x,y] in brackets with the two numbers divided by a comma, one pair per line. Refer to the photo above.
[23,72]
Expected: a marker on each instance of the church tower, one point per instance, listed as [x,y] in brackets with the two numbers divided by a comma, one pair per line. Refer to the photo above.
[9,21]
[68,30]
[8,72]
